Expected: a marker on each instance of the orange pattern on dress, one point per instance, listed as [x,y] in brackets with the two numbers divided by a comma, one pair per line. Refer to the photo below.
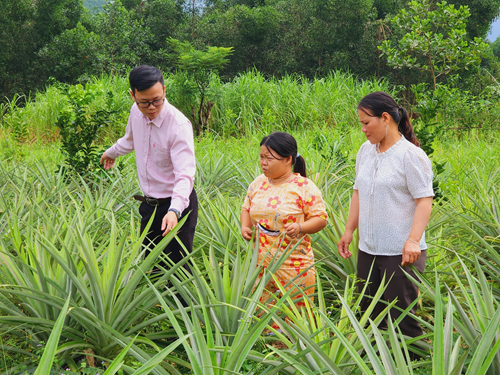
[273,207]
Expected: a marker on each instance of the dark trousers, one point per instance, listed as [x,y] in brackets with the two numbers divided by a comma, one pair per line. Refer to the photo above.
[399,287]
[173,250]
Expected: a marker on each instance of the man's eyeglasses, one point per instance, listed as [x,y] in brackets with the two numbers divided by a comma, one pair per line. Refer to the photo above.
[156,103]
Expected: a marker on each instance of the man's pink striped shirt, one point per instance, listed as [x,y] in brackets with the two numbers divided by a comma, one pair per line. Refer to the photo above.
[164,152]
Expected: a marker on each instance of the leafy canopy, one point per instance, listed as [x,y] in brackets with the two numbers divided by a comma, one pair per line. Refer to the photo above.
[198,66]
[432,38]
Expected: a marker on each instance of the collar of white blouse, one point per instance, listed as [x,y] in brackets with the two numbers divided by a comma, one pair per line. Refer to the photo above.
[381,155]
[390,149]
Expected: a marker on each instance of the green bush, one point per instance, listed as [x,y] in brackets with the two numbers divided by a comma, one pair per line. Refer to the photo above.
[80,123]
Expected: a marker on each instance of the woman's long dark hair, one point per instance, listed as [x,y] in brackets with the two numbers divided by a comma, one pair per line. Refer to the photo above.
[378,102]
[285,145]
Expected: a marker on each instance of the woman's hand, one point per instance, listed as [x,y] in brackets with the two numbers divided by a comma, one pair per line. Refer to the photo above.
[352,224]
[411,248]
[411,253]
[246,232]
[343,245]
[292,229]
[313,225]
[246,225]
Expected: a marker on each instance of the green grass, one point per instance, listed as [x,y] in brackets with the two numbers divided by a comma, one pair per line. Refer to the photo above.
[40,211]
[65,237]
[249,103]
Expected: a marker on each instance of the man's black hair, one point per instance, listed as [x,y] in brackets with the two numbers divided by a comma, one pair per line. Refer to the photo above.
[143,77]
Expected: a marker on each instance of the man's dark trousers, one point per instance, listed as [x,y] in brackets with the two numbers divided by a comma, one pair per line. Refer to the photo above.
[174,249]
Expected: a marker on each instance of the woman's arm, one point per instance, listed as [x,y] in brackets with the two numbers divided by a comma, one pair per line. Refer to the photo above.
[246,225]
[313,225]
[351,226]
[411,248]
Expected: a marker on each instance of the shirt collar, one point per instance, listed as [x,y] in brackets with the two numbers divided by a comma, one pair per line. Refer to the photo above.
[158,120]
[391,149]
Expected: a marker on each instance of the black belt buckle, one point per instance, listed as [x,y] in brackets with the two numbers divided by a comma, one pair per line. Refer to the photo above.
[152,201]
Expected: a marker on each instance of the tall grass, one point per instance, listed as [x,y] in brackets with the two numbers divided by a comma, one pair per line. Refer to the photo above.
[247,104]
[33,119]
[244,105]
[77,239]
[251,102]
[70,239]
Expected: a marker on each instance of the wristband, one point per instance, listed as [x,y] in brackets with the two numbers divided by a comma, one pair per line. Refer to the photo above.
[415,242]
[300,230]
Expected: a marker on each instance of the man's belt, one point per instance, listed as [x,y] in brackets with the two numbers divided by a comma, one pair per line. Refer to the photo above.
[151,201]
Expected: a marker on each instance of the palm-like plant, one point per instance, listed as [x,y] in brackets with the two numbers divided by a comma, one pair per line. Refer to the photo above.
[339,343]
[471,310]
[476,216]
[55,248]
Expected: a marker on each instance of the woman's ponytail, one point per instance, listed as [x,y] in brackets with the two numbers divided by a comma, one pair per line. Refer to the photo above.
[406,128]
[300,166]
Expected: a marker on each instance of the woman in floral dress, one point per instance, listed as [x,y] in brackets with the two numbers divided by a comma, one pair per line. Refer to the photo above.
[285,206]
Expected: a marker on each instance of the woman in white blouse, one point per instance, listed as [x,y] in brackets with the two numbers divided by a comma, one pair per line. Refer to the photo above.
[391,206]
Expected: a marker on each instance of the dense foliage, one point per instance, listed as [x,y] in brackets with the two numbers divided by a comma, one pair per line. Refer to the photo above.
[76,296]
[59,39]
[77,240]
[94,5]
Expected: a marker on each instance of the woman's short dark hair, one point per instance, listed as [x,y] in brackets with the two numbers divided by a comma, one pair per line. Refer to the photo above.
[376,103]
[143,77]
[285,145]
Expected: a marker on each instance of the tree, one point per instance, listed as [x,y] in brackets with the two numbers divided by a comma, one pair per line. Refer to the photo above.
[112,41]
[482,14]
[252,32]
[330,33]
[125,39]
[16,44]
[307,37]
[52,17]
[199,66]
[26,27]
[163,18]
[385,8]
[72,54]
[94,5]
[495,47]
[432,39]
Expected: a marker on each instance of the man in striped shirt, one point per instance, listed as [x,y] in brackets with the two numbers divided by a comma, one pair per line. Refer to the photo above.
[162,138]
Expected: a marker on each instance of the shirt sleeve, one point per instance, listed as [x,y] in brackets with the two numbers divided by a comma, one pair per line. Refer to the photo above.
[125,144]
[359,156]
[184,163]
[418,170]
[247,203]
[314,206]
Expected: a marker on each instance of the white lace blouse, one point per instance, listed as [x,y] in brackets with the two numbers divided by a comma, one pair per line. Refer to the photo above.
[388,184]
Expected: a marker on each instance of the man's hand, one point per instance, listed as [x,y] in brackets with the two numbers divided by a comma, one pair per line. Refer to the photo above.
[108,162]
[169,221]
[292,229]
[246,232]
[343,245]
[411,253]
